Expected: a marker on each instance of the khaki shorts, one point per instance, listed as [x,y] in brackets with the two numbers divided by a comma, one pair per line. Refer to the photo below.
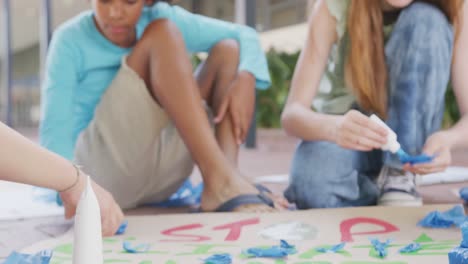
[130,147]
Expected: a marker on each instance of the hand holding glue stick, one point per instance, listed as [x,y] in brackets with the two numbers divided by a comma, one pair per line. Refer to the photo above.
[23,161]
[355,131]
[394,147]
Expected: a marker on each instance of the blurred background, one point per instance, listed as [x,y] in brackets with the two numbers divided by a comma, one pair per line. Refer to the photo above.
[27,25]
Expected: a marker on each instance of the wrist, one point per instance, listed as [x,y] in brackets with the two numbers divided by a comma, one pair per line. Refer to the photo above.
[334,127]
[452,137]
[73,191]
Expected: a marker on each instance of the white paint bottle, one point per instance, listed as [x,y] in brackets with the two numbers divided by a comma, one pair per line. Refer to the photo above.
[87,246]
[392,144]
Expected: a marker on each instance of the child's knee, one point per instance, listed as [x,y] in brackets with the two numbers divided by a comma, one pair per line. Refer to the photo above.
[319,195]
[227,49]
[158,30]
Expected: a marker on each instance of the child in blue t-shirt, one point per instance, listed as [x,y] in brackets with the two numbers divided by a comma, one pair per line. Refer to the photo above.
[121,100]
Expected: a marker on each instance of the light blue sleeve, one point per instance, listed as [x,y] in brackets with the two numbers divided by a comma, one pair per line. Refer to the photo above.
[201,33]
[56,129]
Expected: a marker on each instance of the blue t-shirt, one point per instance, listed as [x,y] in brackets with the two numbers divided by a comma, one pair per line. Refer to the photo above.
[82,63]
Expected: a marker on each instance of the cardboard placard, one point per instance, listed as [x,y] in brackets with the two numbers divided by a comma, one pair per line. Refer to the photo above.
[188,238]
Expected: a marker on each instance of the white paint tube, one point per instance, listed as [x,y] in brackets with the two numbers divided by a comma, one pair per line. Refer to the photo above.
[392,144]
[87,246]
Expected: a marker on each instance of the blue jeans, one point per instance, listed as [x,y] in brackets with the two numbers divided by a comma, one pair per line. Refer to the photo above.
[418,55]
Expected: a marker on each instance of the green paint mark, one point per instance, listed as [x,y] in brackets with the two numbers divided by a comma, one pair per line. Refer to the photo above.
[65,249]
[60,260]
[371,246]
[130,238]
[449,241]
[147,252]
[110,240]
[311,253]
[435,249]
[204,249]
[371,262]
[313,262]
[170,262]
[423,238]
[280,261]
[146,262]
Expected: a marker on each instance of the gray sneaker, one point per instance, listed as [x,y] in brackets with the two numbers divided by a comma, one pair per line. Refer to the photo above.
[398,188]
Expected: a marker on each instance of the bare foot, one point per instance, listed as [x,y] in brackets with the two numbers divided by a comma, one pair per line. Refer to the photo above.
[218,193]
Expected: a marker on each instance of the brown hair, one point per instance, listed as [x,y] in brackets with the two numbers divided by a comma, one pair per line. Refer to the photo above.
[366,70]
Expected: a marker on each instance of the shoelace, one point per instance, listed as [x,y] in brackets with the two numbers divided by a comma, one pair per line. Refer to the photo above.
[404,182]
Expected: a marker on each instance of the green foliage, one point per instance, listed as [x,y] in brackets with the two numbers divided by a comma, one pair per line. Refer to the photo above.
[451,114]
[270,102]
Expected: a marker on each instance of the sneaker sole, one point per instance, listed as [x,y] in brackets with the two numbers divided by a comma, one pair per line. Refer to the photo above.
[400,203]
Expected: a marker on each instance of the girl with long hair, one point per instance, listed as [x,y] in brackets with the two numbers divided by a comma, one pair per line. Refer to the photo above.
[392,58]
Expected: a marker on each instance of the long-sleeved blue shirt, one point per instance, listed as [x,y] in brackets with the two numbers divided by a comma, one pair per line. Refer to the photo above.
[82,63]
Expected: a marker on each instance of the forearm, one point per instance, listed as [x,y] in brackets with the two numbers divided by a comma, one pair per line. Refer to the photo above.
[306,124]
[458,133]
[25,162]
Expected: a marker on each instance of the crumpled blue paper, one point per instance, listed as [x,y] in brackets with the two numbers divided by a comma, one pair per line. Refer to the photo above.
[187,195]
[464,194]
[284,244]
[42,257]
[458,255]
[413,247]
[406,158]
[332,249]
[218,259]
[435,219]
[141,248]
[122,228]
[464,230]
[281,251]
[381,247]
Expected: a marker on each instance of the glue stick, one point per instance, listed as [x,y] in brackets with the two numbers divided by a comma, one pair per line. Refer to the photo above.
[392,144]
[87,246]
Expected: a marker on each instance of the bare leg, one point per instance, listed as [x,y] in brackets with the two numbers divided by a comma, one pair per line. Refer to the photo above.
[214,78]
[161,61]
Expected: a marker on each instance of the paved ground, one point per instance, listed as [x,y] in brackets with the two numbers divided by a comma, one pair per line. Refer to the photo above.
[272,156]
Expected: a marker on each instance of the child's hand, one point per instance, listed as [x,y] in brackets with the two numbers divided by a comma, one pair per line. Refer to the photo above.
[111,214]
[437,145]
[356,131]
[240,101]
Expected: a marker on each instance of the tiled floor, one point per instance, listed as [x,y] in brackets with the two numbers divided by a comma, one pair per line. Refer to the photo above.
[272,156]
